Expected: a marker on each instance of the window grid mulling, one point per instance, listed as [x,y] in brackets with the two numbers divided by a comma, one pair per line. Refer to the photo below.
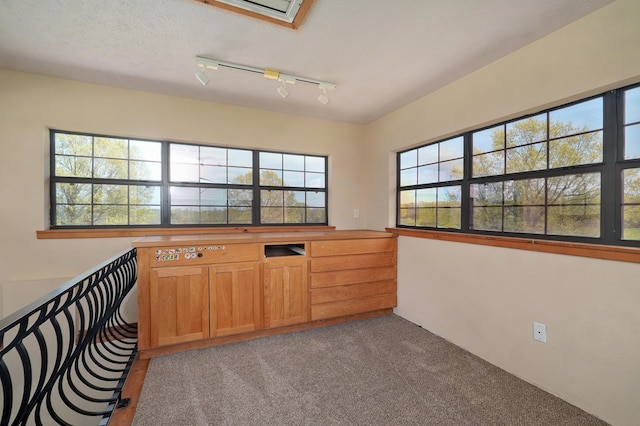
[630,167]
[429,196]
[292,188]
[158,187]
[571,173]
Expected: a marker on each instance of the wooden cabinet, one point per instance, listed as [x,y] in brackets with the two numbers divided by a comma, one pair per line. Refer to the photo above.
[350,277]
[198,290]
[286,299]
[234,298]
[180,300]
[195,303]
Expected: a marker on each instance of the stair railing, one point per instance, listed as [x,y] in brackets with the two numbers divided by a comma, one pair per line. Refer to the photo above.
[64,358]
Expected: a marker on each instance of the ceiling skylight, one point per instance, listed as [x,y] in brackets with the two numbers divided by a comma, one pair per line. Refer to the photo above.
[281,10]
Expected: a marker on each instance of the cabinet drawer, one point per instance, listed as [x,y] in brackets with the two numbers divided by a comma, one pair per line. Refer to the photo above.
[339,263]
[355,291]
[353,276]
[349,247]
[203,255]
[352,307]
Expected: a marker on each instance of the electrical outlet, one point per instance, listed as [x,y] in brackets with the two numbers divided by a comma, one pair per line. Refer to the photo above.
[356,213]
[540,332]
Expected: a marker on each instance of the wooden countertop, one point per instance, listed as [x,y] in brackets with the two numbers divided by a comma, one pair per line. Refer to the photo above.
[257,237]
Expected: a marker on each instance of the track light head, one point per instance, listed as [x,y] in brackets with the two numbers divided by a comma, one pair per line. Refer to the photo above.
[284,79]
[323,98]
[205,63]
[202,76]
[283,91]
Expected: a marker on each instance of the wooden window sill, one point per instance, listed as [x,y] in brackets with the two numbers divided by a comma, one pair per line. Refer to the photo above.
[596,251]
[144,232]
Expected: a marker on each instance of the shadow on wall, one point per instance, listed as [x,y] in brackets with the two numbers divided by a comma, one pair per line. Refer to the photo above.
[18,294]
[15,295]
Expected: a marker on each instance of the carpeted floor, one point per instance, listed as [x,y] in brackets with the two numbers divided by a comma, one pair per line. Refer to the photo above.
[379,371]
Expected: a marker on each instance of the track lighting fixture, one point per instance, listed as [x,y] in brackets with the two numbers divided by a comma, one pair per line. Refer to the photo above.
[202,76]
[283,91]
[323,98]
[285,79]
[270,73]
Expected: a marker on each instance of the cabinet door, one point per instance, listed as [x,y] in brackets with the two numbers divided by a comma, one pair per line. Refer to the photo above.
[235,298]
[286,296]
[179,305]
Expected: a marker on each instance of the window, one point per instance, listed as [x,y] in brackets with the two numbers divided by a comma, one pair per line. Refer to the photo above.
[568,173]
[561,205]
[564,137]
[631,174]
[100,181]
[428,198]
[210,185]
[292,188]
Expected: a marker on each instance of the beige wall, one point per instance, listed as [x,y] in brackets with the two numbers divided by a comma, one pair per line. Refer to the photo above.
[485,299]
[32,104]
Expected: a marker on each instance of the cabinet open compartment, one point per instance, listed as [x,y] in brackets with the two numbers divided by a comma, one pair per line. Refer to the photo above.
[279,250]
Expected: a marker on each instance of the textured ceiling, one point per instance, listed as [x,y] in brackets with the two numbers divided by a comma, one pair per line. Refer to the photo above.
[382,54]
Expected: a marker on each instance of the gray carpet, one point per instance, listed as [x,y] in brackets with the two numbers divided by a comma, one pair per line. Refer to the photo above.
[379,371]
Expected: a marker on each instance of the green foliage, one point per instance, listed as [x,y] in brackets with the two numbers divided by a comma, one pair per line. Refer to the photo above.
[631,234]
[279,206]
[631,198]
[110,174]
[276,205]
[85,204]
[431,207]
[564,205]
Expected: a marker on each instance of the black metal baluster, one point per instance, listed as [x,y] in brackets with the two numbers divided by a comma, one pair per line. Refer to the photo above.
[81,343]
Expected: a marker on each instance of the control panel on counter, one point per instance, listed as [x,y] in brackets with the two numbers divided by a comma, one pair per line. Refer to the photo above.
[204,254]
[170,254]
